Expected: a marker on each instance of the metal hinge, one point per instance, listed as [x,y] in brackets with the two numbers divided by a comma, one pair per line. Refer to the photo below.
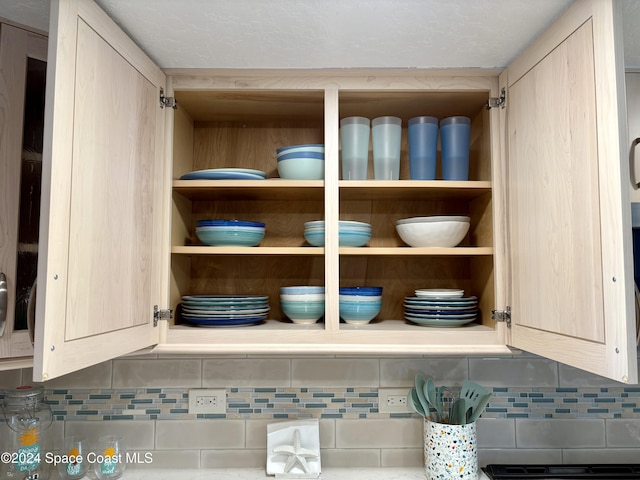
[161,315]
[169,102]
[498,102]
[502,316]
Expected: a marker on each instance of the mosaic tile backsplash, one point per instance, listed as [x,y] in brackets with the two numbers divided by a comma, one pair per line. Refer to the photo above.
[350,403]
[540,411]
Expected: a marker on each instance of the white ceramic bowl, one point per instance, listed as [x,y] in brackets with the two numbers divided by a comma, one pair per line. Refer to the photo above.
[447,233]
[302,297]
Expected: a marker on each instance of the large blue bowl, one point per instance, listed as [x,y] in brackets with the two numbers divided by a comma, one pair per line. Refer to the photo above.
[289,156]
[301,289]
[369,291]
[228,223]
[230,237]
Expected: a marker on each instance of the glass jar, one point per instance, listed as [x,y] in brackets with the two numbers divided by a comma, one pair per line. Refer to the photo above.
[24,434]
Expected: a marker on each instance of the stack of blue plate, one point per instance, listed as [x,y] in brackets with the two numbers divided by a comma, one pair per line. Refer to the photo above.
[225,174]
[224,310]
[350,233]
[230,232]
[449,311]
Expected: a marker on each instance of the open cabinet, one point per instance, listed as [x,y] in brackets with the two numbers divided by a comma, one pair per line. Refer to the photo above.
[23,63]
[120,151]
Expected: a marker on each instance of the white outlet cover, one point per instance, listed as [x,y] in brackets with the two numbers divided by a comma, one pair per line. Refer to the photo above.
[385,393]
[220,404]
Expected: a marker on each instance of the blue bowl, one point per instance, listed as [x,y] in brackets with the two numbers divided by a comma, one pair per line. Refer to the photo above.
[305,147]
[301,289]
[228,223]
[230,237]
[353,239]
[315,238]
[369,291]
[359,312]
[289,156]
[303,312]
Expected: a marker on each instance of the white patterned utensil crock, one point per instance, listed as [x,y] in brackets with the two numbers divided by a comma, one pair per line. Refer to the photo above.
[450,451]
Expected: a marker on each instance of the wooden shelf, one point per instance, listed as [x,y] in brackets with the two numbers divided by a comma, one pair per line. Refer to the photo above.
[206,250]
[410,251]
[269,189]
[412,189]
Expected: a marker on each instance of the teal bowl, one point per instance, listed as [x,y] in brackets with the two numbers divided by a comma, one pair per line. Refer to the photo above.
[359,313]
[303,312]
[301,168]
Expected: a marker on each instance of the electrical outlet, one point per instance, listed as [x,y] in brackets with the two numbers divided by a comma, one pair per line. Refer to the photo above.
[393,400]
[208,401]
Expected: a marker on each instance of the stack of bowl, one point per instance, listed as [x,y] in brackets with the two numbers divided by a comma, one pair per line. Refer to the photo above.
[301,162]
[436,231]
[302,304]
[237,233]
[350,234]
[359,305]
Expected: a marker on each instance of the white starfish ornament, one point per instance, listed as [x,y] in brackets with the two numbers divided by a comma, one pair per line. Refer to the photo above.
[297,455]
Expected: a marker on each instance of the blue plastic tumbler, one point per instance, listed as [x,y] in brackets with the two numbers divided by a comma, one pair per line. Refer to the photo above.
[454,139]
[423,145]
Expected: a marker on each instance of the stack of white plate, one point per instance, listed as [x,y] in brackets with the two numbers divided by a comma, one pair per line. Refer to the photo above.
[224,310]
[440,307]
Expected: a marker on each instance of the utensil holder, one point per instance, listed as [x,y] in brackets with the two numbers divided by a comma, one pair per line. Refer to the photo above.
[450,451]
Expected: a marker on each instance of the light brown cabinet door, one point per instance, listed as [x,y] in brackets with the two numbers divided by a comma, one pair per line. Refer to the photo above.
[23,57]
[568,203]
[103,195]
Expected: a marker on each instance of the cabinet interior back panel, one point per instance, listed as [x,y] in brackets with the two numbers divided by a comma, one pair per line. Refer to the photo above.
[549,286]
[106,175]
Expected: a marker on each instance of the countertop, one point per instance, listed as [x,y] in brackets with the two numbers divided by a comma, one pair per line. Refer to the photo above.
[259,474]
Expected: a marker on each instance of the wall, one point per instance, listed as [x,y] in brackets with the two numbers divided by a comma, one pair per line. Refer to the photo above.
[540,411]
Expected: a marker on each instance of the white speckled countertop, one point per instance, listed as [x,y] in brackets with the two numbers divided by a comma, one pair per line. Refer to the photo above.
[259,474]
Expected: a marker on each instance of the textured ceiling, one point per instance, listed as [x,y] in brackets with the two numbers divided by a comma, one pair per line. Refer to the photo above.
[332,33]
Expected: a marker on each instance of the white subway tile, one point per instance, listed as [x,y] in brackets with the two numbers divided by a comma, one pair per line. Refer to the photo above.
[383,433]
[243,372]
[496,432]
[623,432]
[601,455]
[136,435]
[401,372]
[199,434]
[560,433]
[402,457]
[487,456]
[335,372]
[160,373]
[351,458]
[513,372]
[248,458]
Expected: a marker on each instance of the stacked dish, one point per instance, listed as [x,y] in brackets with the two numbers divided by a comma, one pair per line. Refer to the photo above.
[350,233]
[302,304]
[301,162]
[224,310]
[225,174]
[440,308]
[437,231]
[359,305]
[236,233]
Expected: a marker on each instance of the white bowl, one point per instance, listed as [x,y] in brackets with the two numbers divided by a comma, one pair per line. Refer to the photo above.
[302,297]
[434,218]
[433,234]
